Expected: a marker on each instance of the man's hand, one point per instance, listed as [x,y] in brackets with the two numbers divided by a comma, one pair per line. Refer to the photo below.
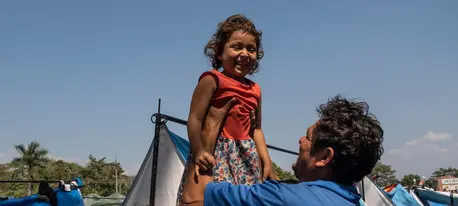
[203,161]
[216,116]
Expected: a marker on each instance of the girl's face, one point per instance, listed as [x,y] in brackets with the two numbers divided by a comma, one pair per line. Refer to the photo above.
[239,55]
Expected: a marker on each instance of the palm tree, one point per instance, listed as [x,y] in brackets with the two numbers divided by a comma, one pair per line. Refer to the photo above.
[31,158]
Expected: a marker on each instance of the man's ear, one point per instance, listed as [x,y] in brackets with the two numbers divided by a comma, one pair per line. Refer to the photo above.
[325,157]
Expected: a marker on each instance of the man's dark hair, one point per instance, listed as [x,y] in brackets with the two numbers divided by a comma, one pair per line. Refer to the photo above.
[355,135]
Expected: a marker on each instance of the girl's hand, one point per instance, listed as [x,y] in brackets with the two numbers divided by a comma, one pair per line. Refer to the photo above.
[253,123]
[203,161]
[268,173]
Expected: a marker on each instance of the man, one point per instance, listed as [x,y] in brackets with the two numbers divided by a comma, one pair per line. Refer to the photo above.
[339,149]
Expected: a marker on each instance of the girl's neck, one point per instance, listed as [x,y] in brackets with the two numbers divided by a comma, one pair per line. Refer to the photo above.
[239,79]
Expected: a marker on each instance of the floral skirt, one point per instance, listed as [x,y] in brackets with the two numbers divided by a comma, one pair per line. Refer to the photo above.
[237,162]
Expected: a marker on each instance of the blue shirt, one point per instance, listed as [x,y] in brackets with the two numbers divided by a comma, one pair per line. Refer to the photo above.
[275,193]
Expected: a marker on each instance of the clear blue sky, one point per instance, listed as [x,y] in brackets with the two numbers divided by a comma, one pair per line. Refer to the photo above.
[84,77]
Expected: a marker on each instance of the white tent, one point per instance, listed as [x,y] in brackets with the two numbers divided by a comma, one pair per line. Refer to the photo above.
[372,194]
[171,156]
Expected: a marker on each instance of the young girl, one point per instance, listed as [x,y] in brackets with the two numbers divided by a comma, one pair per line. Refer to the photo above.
[240,150]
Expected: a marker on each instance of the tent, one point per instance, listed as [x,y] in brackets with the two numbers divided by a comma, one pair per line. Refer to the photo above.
[416,196]
[434,198]
[161,171]
[401,196]
[372,194]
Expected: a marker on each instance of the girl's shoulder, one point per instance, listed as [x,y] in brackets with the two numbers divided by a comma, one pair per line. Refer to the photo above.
[255,86]
[213,74]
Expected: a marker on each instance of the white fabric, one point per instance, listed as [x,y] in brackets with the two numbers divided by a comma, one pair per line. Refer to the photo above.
[169,171]
[73,183]
[67,188]
[415,197]
[372,194]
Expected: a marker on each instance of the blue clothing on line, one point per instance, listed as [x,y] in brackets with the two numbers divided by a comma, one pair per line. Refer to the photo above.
[272,192]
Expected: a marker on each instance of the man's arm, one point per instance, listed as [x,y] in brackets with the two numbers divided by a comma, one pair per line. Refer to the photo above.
[194,194]
[194,186]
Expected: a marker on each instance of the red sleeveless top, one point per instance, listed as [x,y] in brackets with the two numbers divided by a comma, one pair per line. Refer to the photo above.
[237,125]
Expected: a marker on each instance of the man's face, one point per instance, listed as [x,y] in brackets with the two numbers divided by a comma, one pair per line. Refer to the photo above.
[303,168]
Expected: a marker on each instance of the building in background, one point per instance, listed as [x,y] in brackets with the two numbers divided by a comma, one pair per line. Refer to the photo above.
[447,183]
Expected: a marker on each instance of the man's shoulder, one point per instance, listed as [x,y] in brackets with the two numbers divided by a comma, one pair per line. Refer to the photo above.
[280,193]
[257,194]
[319,193]
[301,186]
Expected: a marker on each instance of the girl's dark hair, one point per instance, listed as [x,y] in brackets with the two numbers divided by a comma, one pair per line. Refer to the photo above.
[238,22]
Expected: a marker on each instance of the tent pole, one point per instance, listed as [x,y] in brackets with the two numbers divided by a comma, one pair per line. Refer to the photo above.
[362,190]
[157,127]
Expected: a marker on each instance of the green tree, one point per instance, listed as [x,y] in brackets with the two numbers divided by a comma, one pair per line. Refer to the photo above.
[385,174]
[431,183]
[410,180]
[13,189]
[283,175]
[5,174]
[31,158]
[100,177]
[60,170]
[445,171]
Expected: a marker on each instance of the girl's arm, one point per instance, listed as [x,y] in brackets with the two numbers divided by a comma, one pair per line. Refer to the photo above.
[259,140]
[200,102]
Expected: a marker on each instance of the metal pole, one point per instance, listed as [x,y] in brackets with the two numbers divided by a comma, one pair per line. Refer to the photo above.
[32,181]
[155,154]
[116,172]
